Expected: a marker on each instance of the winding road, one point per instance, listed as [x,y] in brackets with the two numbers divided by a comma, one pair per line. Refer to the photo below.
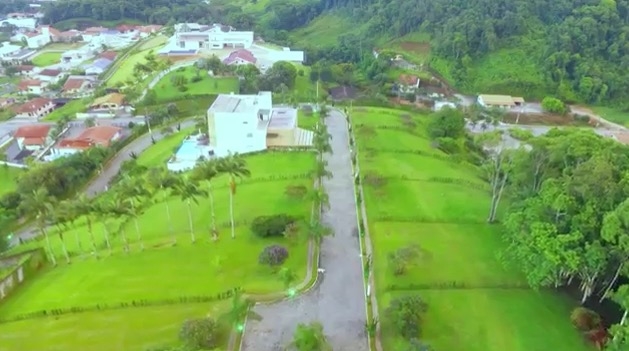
[338,301]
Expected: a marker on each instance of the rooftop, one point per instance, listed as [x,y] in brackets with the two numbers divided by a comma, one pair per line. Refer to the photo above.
[32,131]
[73,83]
[113,98]
[94,136]
[242,54]
[109,55]
[283,118]
[50,72]
[33,105]
[239,103]
[501,100]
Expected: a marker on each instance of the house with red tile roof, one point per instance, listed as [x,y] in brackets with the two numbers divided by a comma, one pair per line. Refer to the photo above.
[240,57]
[99,136]
[407,83]
[50,75]
[31,86]
[33,137]
[145,31]
[77,85]
[69,36]
[125,28]
[35,108]
[26,70]
[109,55]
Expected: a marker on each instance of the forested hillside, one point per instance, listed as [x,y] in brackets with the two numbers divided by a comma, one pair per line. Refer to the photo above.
[150,11]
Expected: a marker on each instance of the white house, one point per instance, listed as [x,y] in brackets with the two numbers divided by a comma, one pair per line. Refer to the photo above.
[21,21]
[249,123]
[97,136]
[7,49]
[193,36]
[32,137]
[35,108]
[50,75]
[38,38]
[31,86]
[499,101]
[287,55]
[14,54]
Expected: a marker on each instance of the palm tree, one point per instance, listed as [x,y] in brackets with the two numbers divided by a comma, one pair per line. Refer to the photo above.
[316,231]
[63,213]
[122,207]
[320,199]
[165,182]
[310,337]
[240,310]
[320,171]
[206,171]
[287,276]
[39,202]
[189,193]
[133,191]
[104,209]
[234,166]
[321,141]
[85,207]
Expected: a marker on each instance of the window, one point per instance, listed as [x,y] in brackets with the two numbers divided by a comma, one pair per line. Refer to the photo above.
[245,122]
[249,135]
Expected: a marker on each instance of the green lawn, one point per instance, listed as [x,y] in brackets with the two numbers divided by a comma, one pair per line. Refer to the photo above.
[47,59]
[446,221]
[70,109]
[165,90]
[307,121]
[63,46]
[154,42]
[612,114]
[8,178]
[324,31]
[158,154]
[125,69]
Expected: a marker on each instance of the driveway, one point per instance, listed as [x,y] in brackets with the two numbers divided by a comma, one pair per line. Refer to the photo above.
[338,302]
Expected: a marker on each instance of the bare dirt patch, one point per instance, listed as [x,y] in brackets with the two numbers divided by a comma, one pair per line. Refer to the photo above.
[417,47]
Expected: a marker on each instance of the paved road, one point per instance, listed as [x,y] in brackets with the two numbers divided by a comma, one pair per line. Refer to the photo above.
[338,302]
[100,183]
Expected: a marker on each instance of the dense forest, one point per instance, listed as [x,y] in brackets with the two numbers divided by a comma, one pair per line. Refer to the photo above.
[149,11]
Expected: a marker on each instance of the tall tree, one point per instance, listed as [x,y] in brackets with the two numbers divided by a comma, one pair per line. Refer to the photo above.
[63,213]
[85,207]
[189,192]
[134,192]
[205,172]
[39,202]
[236,167]
[240,309]
[163,183]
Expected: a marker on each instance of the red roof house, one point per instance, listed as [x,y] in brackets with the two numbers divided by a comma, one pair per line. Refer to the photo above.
[32,137]
[240,57]
[35,108]
[110,55]
[94,136]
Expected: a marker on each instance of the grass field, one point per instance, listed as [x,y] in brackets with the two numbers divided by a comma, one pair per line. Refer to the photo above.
[612,114]
[494,311]
[8,178]
[46,59]
[160,271]
[125,69]
[323,31]
[63,46]
[70,109]
[165,90]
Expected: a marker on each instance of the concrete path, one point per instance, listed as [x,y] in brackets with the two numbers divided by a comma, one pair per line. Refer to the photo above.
[338,302]
[100,183]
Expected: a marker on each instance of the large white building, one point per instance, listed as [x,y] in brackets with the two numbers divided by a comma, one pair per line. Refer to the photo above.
[249,123]
[20,21]
[192,36]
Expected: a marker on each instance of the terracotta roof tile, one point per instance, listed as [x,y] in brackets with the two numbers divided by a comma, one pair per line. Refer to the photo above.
[32,105]
[50,72]
[73,83]
[94,136]
[110,55]
[32,131]
[242,54]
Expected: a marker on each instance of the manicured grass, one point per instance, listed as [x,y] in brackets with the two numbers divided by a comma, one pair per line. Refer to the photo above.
[158,154]
[70,109]
[154,42]
[125,70]
[409,203]
[307,121]
[126,329]
[166,90]
[612,114]
[63,46]
[8,178]
[47,59]
[162,271]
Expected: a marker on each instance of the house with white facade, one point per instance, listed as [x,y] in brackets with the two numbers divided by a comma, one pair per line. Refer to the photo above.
[99,136]
[35,108]
[499,101]
[249,123]
[191,37]
[51,76]
[20,20]
[31,86]
[35,39]
[33,137]
[77,85]
[240,57]
[7,49]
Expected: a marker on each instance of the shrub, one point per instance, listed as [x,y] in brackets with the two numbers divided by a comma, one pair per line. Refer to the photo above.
[273,255]
[554,105]
[585,319]
[296,191]
[447,145]
[196,79]
[405,313]
[199,333]
[401,259]
[182,88]
[268,226]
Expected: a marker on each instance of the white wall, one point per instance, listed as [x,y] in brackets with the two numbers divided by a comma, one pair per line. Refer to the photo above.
[238,133]
[30,23]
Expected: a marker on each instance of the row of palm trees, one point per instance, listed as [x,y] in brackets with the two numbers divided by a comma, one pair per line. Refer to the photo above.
[129,199]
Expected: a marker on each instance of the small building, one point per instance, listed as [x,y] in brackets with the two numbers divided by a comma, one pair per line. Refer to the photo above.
[408,83]
[439,105]
[50,75]
[74,56]
[31,86]
[108,55]
[33,137]
[499,101]
[109,102]
[287,55]
[99,136]
[92,32]
[38,38]
[125,28]
[145,31]
[8,49]
[98,67]
[194,36]
[77,85]
[240,57]
[20,20]
[35,108]
[6,102]
[27,70]
[69,36]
